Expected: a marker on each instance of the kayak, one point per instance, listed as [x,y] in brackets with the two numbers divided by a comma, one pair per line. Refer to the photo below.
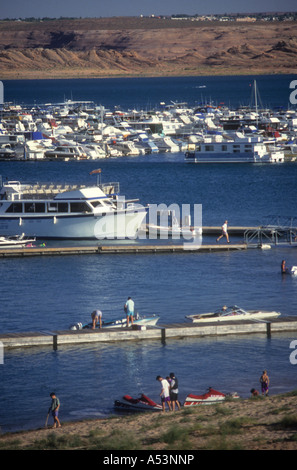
[209,398]
[143,403]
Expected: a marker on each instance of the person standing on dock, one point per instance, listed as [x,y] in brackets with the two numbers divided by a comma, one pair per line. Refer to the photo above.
[224,232]
[129,309]
[96,316]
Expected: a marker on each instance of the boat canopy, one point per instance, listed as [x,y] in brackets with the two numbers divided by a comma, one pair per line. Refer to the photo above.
[82,193]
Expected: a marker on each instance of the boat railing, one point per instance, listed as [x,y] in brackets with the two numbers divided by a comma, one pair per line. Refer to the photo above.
[15,190]
[110,188]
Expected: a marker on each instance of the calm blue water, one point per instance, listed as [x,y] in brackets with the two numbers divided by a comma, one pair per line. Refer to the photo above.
[54,292]
[147,93]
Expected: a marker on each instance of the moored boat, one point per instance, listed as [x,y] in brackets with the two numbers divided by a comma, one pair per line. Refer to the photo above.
[143,403]
[139,321]
[16,241]
[53,211]
[233,313]
[239,149]
[208,398]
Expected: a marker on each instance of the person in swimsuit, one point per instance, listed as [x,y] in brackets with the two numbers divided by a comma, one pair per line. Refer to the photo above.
[284,269]
[264,381]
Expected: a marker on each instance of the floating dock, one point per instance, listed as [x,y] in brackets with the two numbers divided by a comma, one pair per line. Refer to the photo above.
[54,339]
[117,249]
[138,246]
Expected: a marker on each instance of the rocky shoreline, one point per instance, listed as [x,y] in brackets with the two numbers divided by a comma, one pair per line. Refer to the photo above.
[123,47]
[258,423]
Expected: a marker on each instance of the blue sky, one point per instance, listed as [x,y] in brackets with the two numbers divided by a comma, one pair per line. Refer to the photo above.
[106,8]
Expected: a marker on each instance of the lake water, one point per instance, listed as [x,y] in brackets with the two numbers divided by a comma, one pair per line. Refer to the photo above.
[53,292]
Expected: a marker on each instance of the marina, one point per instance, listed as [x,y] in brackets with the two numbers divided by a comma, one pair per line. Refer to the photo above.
[45,289]
[80,130]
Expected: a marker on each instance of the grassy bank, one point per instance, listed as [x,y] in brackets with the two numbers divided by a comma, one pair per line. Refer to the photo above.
[245,424]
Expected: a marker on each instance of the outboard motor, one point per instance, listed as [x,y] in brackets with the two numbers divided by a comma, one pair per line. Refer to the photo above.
[76,326]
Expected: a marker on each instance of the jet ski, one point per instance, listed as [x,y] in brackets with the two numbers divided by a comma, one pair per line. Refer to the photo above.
[293,270]
[143,403]
[208,398]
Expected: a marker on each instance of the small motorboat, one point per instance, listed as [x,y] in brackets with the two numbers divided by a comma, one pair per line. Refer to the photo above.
[233,313]
[139,321]
[143,403]
[16,241]
[208,398]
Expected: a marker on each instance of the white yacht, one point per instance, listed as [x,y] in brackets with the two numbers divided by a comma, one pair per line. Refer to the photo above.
[238,149]
[68,211]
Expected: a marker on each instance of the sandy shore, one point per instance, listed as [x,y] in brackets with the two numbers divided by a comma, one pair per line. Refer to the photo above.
[244,424]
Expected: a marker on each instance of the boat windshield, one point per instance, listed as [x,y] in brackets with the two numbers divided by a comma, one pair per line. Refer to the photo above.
[230,311]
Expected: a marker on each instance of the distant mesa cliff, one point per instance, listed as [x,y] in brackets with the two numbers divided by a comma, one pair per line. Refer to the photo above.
[144,47]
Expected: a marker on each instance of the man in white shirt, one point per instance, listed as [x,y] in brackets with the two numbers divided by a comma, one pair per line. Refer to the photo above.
[165,393]
[224,231]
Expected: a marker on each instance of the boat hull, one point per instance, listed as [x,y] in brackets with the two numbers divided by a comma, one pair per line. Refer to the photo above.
[251,315]
[123,224]
[16,242]
[150,321]
[143,403]
[121,323]
[209,398]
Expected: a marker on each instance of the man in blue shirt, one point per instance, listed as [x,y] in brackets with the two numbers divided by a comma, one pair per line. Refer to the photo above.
[129,309]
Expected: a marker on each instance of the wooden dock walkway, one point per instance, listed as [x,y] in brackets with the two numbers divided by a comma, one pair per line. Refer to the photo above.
[161,332]
[137,247]
[117,249]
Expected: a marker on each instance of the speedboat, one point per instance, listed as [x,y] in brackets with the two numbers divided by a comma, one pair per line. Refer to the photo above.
[208,398]
[139,321]
[143,403]
[16,241]
[52,211]
[233,313]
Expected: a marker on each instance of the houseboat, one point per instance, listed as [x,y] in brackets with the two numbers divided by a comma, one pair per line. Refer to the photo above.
[51,211]
[238,149]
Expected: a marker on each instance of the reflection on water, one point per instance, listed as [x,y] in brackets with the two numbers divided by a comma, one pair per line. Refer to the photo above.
[88,379]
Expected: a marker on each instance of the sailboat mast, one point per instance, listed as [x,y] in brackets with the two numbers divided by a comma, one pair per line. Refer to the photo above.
[256,100]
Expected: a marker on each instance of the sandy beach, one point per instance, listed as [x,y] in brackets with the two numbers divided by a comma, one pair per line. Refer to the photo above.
[260,423]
